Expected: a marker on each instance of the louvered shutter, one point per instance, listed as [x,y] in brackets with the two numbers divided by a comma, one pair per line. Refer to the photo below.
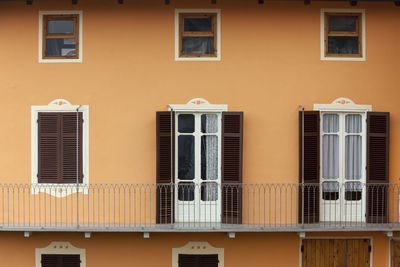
[48,147]
[57,147]
[198,260]
[208,260]
[165,160]
[60,260]
[232,150]
[309,162]
[71,161]
[377,166]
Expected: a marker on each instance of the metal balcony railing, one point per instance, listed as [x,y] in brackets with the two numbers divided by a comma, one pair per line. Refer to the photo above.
[209,207]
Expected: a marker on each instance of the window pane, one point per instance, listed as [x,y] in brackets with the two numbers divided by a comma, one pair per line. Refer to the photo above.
[330,156]
[209,123]
[209,157]
[60,47]
[353,191]
[197,45]
[353,157]
[342,24]
[186,157]
[186,123]
[209,191]
[353,123]
[198,24]
[60,26]
[331,123]
[342,45]
[330,190]
[186,191]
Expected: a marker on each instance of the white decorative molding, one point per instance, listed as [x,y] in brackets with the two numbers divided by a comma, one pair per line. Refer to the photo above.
[59,190]
[198,101]
[60,102]
[60,248]
[199,248]
[198,104]
[343,104]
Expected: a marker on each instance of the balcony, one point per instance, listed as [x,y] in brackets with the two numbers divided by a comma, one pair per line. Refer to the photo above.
[227,208]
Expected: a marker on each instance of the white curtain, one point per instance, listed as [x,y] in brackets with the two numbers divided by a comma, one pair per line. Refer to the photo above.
[353,147]
[330,147]
[211,155]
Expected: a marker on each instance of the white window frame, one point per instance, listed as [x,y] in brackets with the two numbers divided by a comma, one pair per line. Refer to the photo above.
[363,32]
[197,248]
[61,60]
[64,248]
[59,190]
[347,106]
[218,34]
[193,106]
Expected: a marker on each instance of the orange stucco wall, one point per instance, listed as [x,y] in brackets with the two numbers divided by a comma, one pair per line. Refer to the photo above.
[270,65]
[130,249]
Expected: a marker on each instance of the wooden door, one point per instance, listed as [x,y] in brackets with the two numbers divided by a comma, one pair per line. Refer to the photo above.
[336,253]
[395,251]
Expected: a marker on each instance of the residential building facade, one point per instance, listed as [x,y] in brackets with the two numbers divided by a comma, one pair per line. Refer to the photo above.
[199,133]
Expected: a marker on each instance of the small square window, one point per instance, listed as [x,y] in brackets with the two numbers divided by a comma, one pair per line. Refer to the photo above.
[197,35]
[343,35]
[60,36]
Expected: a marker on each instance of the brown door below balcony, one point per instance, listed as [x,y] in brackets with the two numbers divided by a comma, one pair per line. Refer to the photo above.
[395,250]
[336,253]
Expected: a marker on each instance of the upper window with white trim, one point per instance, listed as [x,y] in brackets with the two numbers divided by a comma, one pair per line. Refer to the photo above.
[60,35]
[197,34]
[59,143]
[343,34]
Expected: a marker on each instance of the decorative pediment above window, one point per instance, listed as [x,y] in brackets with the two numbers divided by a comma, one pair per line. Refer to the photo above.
[60,248]
[197,248]
[342,104]
[198,104]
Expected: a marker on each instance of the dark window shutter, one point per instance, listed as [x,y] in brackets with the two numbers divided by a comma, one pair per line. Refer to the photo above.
[48,147]
[377,166]
[309,162]
[69,146]
[198,260]
[57,147]
[60,260]
[165,160]
[232,151]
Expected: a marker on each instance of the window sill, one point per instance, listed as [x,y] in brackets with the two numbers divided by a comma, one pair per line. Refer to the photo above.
[61,60]
[217,58]
[342,58]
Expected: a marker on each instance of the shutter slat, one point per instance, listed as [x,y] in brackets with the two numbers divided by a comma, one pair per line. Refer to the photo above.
[232,153]
[60,260]
[165,158]
[198,260]
[309,162]
[378,124]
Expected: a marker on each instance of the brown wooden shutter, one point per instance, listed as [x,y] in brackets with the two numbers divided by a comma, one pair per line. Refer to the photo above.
[60,260]
[232,151]
[310,152]
[165,160]
[197,260]
[377,166]
[69,146]
[48,147]
[57,146]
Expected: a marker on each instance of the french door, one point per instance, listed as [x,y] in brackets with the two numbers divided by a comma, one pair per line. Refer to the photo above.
[343,150]
[198,167]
